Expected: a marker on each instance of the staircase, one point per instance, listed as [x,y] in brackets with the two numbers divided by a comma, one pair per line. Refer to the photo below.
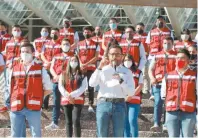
[88,122]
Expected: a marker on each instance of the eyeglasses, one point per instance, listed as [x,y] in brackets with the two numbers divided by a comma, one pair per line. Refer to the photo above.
[115,54]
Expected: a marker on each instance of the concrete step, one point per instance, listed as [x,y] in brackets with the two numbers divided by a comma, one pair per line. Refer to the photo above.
[85,124]
[85,133]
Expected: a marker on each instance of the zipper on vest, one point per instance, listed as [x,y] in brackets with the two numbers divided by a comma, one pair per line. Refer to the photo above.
[179,89]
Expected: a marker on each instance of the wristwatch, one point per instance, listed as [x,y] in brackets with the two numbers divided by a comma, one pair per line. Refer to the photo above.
[121,81]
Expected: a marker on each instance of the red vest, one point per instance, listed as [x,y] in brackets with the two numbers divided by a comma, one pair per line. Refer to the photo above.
[181,44]
[26,89]
[13,49]
[38,44]
[164,64]
[157,36]
[181,91]
[60,63]
[69,34]
[4,39]
[136,99]
[131,48]
[87,52]
[142,39]
[52,49]
[108,35]
[99,41]
[70,88]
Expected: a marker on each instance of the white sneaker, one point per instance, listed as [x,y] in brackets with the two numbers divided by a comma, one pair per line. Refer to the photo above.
[145,92]
[164,128]
[155,128]
[90,109]
[52,126]
[152,98]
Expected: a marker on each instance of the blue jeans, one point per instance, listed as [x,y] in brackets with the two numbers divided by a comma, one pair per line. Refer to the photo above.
[180,122]
[56,103]
[131,123]
[106,111]
[18,125]
[156,89]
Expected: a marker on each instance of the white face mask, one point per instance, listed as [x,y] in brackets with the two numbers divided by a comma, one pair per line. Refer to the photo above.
[26,57]
[73,64]
[65,48]
[16,34]
[185,37]
[128,64]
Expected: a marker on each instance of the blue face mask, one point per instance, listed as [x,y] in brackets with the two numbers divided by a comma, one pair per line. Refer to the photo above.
[44,34]
[113,26]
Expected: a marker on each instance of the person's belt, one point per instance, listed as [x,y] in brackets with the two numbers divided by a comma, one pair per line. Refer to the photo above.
[113,100]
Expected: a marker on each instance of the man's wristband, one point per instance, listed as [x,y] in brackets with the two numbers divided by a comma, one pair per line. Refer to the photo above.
[121,81]
[99,69]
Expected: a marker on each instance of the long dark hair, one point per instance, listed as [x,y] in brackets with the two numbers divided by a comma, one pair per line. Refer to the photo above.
[186,31]
[133,66]
[67,75]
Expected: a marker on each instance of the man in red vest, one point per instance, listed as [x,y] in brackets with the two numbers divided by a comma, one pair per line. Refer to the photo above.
[68,32]
[112,33]
[179,89]
[98,39]
[4,36]
[88,52]
[141,36]
[28,84]
[133,47]
[162,63]
[51,48]
[156,36]
[12,49]
[40,42]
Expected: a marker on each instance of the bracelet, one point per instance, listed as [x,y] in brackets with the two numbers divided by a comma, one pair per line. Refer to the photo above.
[99,69]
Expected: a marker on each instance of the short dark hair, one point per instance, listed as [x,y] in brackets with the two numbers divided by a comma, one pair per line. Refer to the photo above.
[87,28]
[141,24]
[114,19]
[56,29]
[132,27]
[184,51]
[28,45]
[66,39]
[169,38]
[3,24]
[115,46]
[16,25]
[45,28]
[160,17]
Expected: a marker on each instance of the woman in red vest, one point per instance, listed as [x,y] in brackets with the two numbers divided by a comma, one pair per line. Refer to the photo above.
[72,85]
[185,41]
[133,103]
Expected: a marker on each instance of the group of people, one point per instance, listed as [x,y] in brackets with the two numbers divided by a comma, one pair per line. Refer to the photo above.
[121,66]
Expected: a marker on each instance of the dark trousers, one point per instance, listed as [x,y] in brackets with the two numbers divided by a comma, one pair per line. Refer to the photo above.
[90,89]
[72,118]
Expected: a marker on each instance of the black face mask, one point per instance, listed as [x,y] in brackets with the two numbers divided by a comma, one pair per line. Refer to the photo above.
[140,31]
[87,36]
[98,33]
[193,57]
[160,25]
[66,25]
[3,32]
[54,37]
